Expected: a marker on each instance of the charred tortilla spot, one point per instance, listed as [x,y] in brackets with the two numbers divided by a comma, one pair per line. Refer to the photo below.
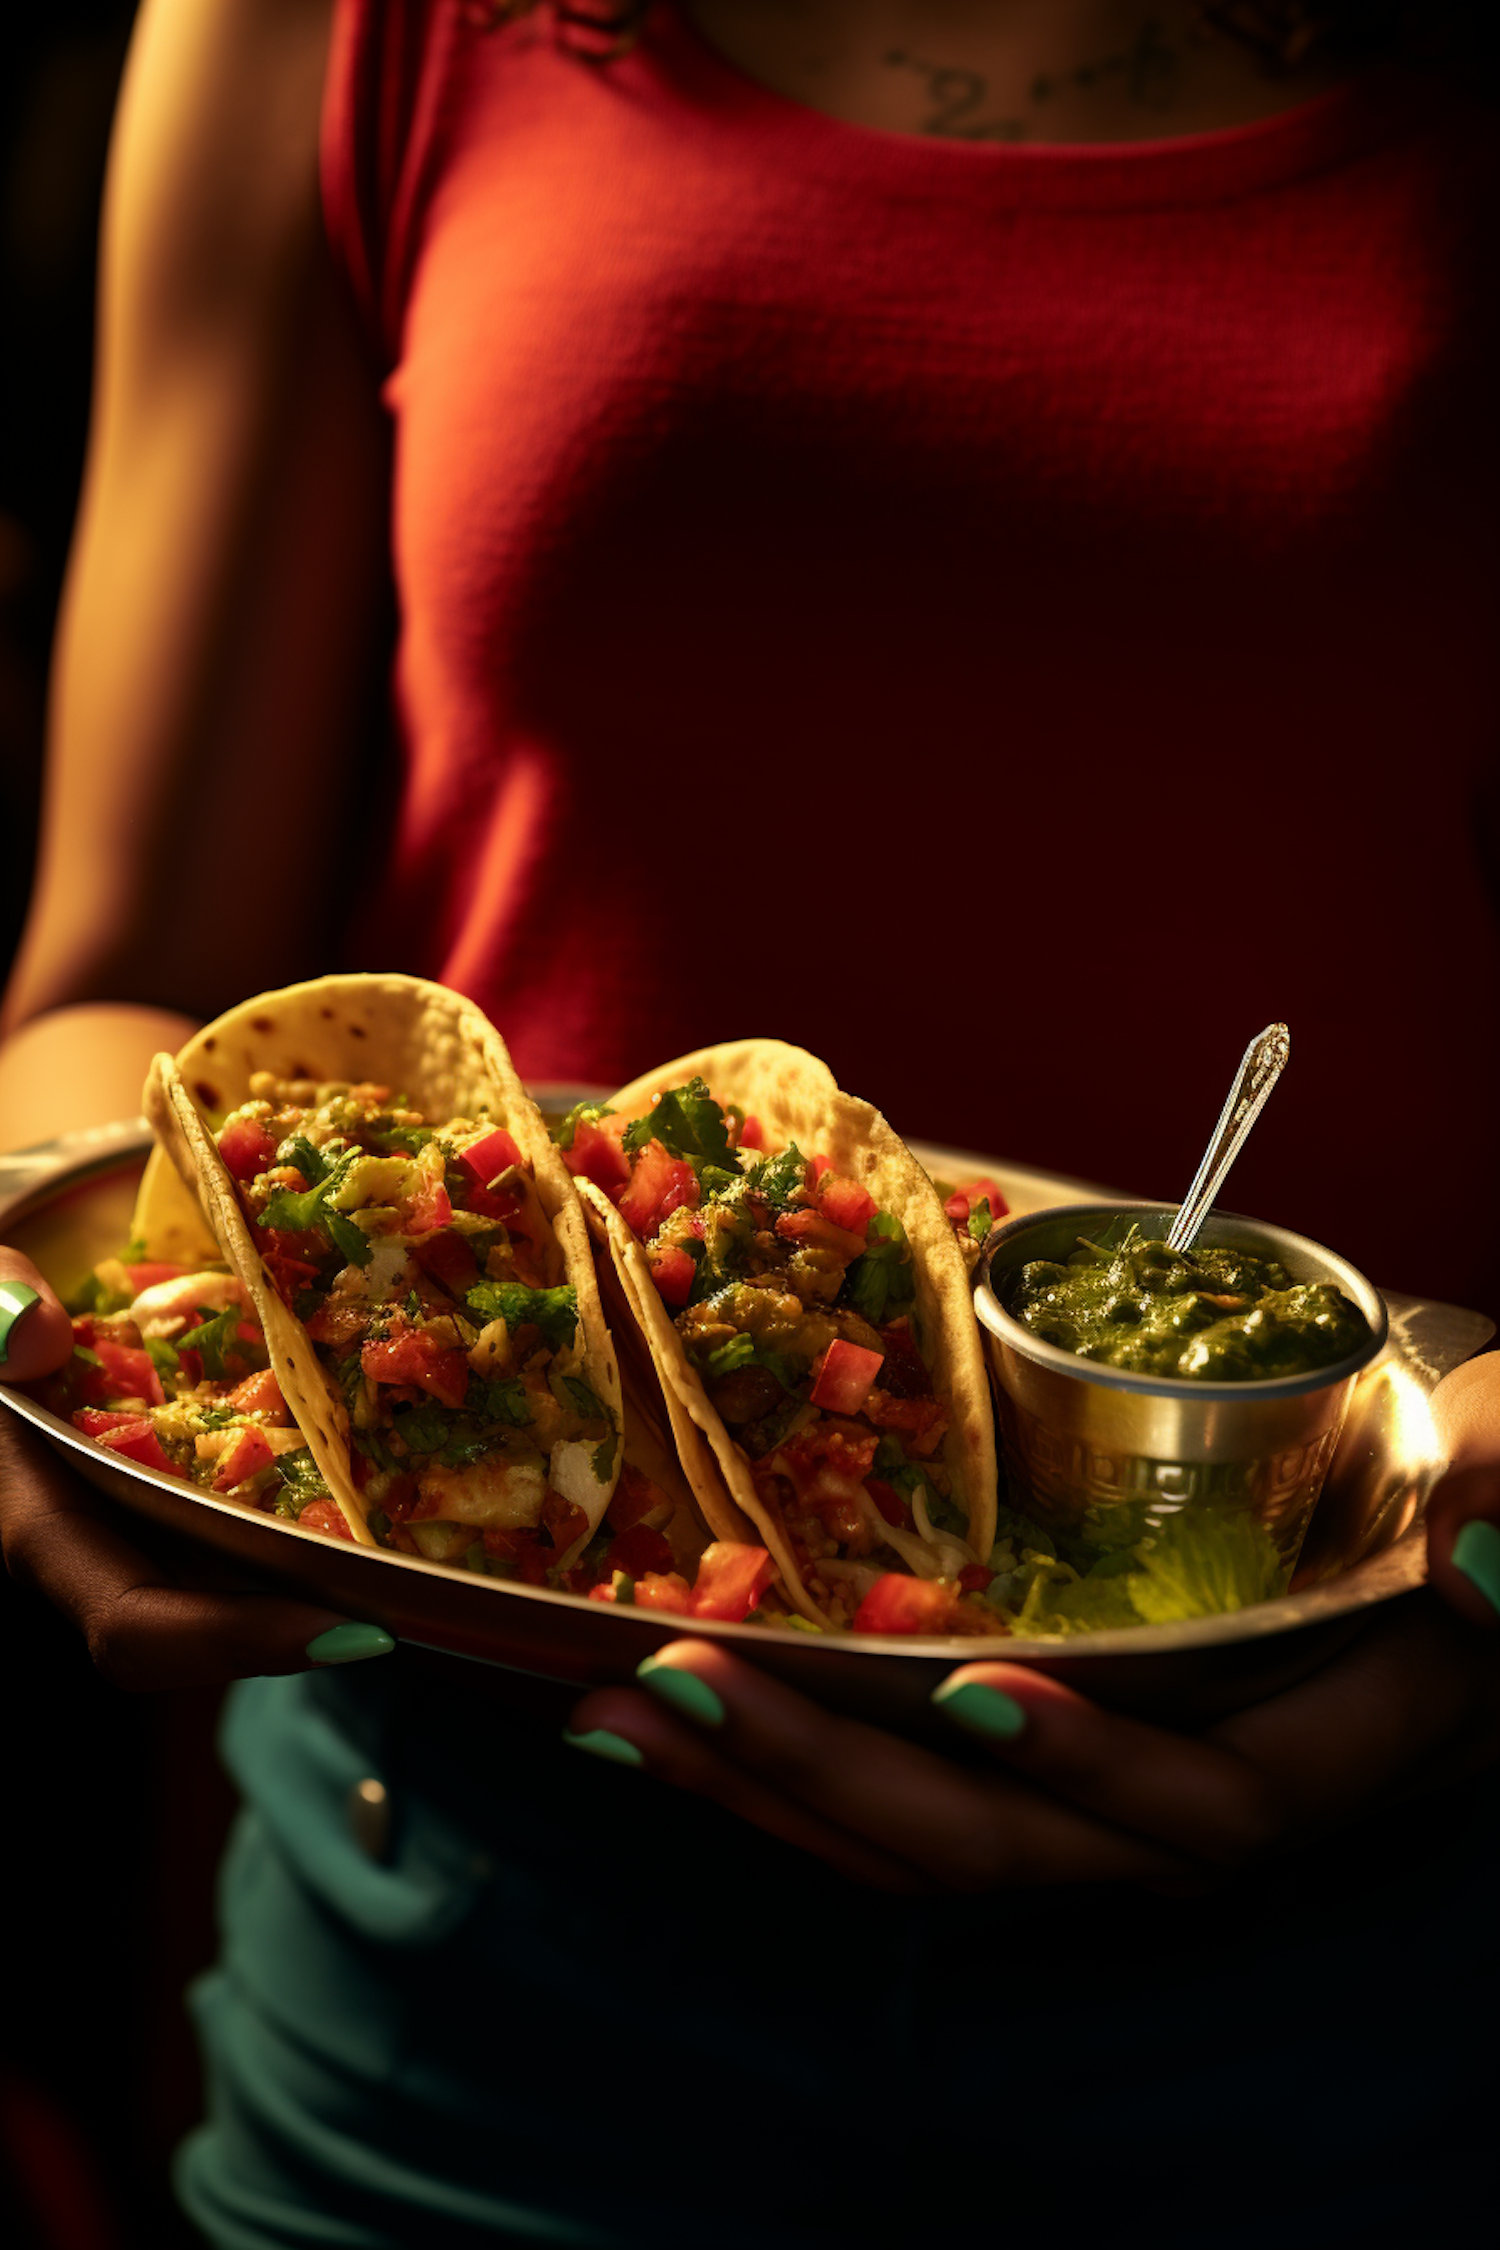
[328,1012]
[262,1023]
[300,1070]
[209,1045]
[356,1031]
[207,1094]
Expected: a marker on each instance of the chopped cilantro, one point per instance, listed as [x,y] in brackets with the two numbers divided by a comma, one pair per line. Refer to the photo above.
[602,1459]
[302,1480]
[374,1448]
[582,1113]
[165,1357]
[306,1303]
[729,1358]
[402,1140]
[379,1522]
[134,1252]
[584,1400]
[553,1311]
[689,1122]
[413,1304]
[350,1373]
[218,1340]
[425,1429]
[293,1213]
[500,1402]
[879,1284]
[893,1468]
[980,1220]
[95,1296]
[90,1359]
[715,1179]
[212,1418]
[779,1178]
[312,1163]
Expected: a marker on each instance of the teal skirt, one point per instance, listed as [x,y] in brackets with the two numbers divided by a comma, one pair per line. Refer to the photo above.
[568,2006]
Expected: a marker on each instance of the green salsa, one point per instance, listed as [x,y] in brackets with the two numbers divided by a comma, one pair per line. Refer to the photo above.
[1212,1315]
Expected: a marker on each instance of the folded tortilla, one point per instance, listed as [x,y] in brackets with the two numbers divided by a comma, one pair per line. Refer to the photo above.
[796,1098]
[428,1045]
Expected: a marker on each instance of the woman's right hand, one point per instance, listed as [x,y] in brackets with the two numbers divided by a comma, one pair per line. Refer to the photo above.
[68,1543]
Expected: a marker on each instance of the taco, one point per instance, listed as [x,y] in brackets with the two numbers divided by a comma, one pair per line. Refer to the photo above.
[806,1303]
[385,1189]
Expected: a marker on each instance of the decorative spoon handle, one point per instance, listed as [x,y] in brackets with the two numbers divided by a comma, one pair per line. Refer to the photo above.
[1265,1060]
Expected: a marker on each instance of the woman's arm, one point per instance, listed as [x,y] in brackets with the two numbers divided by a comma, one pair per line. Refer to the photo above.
[221,619]
[215,657]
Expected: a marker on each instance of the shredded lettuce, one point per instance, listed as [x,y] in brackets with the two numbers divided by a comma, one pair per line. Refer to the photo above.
[1130,1565]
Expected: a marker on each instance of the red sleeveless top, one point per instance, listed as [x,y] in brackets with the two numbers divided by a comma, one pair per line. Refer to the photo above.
[1012,619]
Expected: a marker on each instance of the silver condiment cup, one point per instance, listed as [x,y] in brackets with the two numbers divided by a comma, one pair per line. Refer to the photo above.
[1077,1435]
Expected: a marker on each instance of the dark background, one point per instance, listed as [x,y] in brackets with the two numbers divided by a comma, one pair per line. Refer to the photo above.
[112,1810]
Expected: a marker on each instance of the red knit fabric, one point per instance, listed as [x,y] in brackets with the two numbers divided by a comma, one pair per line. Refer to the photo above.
[1013,619]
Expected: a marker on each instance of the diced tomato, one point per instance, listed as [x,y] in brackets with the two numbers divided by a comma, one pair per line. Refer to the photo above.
[289,1276]
[429,1208]
[846,1203]
[302,1243]
[139,1442]
[499,1204]
[596,1154]
[95,1420]
[126,1373]
[654,1171]
[634,1496]
[672,1270]
[563,1520]
[973,1578]
[638,1550]
[905,1373]
[525,1550]
[325,1516]
[752,1133]
[258,1394]
[827,1462]
[682,1189]
[896,1604]
[921,1421]
[248,1146]
[820,1165]
[603,1591]
[449,1260]
[147,1276]
[246,1457]
[842,1377]
[418,1358]
[337,1322]
[812,1231]
[959,1206]
[486,1159]
[889,1501]
[190,1365]
[667,1590]
[730,1581]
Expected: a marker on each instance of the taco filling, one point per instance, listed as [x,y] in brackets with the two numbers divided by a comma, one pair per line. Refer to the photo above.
[793,1297]
[169,1369]
[418,1258]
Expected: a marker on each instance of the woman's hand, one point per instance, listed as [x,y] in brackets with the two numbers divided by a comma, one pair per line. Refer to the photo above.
[1067,1792]
[65,1540]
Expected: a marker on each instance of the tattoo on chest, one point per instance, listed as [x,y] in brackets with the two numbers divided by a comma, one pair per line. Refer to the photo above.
[1148,67]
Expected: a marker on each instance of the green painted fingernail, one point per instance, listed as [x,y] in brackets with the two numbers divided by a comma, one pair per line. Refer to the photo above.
[983,1710]
[15,1299]
[686,1693]
[346,1644]
[601,1744]
[1476,1552]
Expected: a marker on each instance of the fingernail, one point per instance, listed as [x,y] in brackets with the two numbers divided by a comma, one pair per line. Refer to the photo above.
[601,1744]
[686,1693]
[1476,1552]
[983,1710]
[347,1644]
[15,1299]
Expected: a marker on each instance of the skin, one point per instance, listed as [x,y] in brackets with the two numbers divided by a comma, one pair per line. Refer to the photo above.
[221,627]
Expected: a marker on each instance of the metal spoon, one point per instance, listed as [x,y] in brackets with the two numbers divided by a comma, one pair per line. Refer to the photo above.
[1265,1060]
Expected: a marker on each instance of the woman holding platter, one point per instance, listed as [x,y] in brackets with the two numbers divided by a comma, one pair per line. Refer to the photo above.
[954,533]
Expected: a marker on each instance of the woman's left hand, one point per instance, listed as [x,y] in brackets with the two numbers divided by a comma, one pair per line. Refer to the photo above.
[1068,1792]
